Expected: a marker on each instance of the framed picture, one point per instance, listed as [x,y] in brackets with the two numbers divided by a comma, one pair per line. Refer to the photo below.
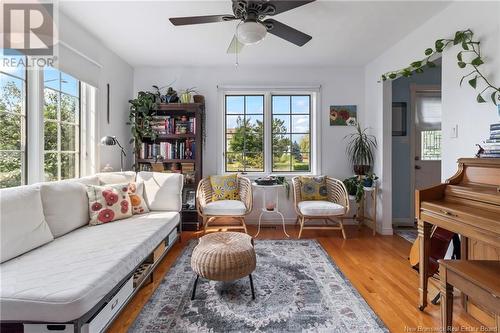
[343,115]
[188,200]
[398,118]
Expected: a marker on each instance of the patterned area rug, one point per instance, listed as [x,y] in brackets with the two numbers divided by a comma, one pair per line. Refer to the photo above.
[410,234]
[298,289]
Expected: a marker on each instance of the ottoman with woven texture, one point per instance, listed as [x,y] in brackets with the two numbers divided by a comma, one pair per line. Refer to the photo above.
[224,256]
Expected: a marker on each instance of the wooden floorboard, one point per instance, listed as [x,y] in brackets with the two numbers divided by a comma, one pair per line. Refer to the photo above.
[377,266]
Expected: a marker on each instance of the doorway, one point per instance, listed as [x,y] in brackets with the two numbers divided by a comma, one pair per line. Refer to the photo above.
[416,142]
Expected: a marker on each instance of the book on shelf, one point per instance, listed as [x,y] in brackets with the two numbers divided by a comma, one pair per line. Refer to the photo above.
[176,150]
[174,125]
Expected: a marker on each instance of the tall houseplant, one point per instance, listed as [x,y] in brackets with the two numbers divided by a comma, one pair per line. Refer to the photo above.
[140,116]
[360,150]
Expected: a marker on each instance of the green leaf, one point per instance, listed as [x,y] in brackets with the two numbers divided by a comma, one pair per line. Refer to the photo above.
[461,64]
[428,51]
[473,82]
[465,46]
[392,76]
[416,64]
[477,61]
[480,99]
[493,97]
[459,56]
[439,44]
[419,70]
[384,78]
[430,64]
[458,37]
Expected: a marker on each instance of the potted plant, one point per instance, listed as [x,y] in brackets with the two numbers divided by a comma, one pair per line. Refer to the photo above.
[369,180]
[360,150]
[186,95]
[354,188]
[140,116]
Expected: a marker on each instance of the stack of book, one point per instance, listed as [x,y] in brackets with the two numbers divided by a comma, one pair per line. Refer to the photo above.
[177,149]
[492,145]
[173,125]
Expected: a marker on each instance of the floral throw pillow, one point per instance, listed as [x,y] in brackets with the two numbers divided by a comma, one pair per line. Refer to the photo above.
[135,191]
[225,187]
[313,188]
[108,203]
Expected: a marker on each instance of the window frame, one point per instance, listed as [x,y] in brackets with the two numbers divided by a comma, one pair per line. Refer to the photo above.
[24,125]
[268,92]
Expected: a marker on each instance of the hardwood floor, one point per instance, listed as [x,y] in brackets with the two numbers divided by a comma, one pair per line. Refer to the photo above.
[377,266]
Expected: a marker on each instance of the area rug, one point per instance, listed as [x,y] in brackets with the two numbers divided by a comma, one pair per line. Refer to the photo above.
[298,289]
[410,234]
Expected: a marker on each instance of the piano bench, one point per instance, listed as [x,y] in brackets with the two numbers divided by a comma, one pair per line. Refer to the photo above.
[478,279]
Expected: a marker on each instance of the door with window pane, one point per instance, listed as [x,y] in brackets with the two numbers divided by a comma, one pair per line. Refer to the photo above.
[291,128]
[244,133]
[61,125]
[12,126]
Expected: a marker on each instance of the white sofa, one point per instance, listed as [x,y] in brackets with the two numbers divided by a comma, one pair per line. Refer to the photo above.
[57,269]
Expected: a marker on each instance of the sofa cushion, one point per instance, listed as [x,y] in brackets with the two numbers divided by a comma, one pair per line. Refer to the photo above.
[136,193]
[320,208]
[225,208]
[120,177]
[64,279]
[162,191]
[313,188]
[22,223]
[65,204]
[108,203]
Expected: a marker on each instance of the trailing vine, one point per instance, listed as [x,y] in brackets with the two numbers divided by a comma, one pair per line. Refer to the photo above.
[469,57]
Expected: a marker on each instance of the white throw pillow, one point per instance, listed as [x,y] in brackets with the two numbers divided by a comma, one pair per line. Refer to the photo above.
[162,191]
[121,177]
[66,204]
[22,223]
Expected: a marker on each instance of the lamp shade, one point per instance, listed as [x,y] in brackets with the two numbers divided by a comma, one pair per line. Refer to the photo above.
[250,32]
[108,140]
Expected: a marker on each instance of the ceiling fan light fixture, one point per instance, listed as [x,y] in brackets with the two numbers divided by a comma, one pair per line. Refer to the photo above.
[250,32]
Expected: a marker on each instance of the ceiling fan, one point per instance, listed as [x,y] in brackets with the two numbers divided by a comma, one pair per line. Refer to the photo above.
[254,26]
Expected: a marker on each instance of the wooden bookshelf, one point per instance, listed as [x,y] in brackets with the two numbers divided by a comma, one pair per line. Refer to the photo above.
[192,111]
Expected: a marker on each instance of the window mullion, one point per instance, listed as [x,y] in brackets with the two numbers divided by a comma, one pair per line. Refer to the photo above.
[35,126]
[268,140]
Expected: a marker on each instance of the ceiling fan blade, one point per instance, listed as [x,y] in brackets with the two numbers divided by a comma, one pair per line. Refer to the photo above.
[285,5]
[235,46]
[286,32]
[201,19]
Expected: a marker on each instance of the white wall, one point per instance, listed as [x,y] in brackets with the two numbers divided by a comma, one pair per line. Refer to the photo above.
[338,86]
[99,66]
[459,105]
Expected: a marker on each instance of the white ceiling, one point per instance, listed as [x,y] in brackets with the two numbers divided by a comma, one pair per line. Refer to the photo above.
[345,33]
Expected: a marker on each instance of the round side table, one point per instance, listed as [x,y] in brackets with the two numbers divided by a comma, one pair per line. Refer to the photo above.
[273,204]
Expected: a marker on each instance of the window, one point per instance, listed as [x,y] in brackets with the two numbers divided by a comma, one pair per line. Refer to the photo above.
[61,121]
[12,126]
[431,145]
[268,132]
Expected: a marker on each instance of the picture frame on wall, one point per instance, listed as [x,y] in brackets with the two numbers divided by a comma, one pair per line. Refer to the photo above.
[399,114]
[343,115]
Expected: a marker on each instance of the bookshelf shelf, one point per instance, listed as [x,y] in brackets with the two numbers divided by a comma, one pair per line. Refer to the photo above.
[179,135]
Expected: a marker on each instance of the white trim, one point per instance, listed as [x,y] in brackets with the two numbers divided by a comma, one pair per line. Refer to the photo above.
[35,128]
[248,88]
[84,56]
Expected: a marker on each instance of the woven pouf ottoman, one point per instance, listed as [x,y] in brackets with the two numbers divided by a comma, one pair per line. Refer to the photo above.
[224,256]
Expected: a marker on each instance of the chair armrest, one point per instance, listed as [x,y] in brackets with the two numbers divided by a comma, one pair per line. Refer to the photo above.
[297,197]
[337,192]
[245,191]
[203,194]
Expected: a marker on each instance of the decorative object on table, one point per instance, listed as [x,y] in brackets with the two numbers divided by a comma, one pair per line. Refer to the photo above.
[398,118]
[369,180]
[224,256]
[333,209]
[107,168]
[491,146]
[140,117]
[470,55]
[187,94]
[287,282]
[270,204]
[359,150]
[113,141]
[108,203]
[354,188]
[343,115]
[199,99]
[211,210]
[266,181]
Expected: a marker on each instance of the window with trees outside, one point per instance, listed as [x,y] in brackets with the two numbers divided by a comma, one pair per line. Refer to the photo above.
[61,115]
[268,133]
[12,126]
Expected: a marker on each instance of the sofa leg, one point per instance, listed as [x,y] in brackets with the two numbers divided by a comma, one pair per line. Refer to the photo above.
[251,286]
[302,220]
[194,287]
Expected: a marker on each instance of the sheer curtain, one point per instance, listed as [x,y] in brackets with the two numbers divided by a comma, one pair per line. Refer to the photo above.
[428,111]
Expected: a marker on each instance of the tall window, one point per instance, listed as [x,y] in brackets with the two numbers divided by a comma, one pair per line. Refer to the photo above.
[12,126]
[268,133]
[61,125]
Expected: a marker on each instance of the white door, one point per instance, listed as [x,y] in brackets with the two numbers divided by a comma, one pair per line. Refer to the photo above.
[427,139]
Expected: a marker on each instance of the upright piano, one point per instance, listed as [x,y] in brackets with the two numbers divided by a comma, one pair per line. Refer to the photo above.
[467,204]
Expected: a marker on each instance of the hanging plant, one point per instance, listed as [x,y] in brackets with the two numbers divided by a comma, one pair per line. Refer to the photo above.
[468,57]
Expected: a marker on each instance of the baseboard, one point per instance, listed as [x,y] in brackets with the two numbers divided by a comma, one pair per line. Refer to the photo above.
[386,231]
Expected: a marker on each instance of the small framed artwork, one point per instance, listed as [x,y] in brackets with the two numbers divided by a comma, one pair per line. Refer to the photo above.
[343,115]
[189,199]
[398,118]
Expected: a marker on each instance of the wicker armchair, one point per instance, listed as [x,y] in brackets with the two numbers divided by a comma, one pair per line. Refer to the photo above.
[331,211]
[211,210]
